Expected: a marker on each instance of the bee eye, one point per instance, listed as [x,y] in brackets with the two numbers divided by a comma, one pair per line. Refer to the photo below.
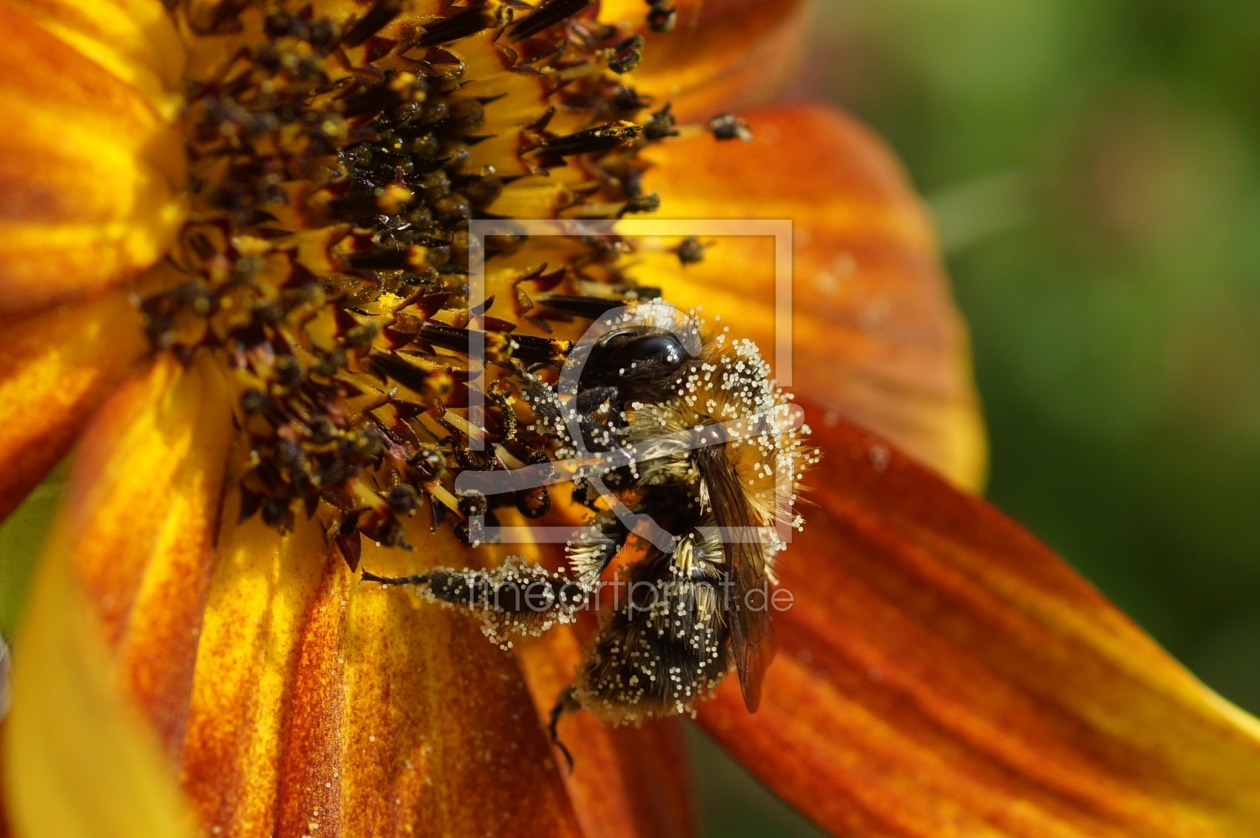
[662,351]
[631,359]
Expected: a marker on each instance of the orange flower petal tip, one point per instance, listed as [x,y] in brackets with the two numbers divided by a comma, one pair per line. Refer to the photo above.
[942,673]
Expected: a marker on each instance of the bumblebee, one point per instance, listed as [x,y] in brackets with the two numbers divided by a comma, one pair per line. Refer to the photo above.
[688,458]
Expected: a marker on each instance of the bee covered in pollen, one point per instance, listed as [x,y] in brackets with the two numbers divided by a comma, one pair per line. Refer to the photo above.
[688,458]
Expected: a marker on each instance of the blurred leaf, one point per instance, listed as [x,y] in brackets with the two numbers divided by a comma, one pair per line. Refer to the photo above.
[22,538]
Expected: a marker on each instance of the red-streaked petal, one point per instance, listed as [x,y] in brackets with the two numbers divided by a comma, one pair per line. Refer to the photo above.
[90,172]
[360,709]
[142,509]
[627,782]
[55,369]
[721,54]
[117,602]
[942,673]
[876,335]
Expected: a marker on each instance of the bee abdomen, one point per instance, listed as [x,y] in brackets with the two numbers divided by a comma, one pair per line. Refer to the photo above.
[663,652]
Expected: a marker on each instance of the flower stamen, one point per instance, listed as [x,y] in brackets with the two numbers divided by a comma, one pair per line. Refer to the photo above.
[335,165]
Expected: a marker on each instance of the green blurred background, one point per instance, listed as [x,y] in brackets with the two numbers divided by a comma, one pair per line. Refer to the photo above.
[1095,170]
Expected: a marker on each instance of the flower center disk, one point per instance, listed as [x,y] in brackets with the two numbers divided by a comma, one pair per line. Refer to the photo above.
[336,160]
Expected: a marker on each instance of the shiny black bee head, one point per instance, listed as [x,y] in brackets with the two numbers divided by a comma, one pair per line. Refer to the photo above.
[640,361]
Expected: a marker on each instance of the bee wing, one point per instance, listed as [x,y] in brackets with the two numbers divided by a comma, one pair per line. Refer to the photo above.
[752,633]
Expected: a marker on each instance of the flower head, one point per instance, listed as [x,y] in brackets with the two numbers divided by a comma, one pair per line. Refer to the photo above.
[238,263]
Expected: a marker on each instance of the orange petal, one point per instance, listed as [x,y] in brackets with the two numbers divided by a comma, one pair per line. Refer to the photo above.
[89,172]
[943,673]
[721,54]
[55,368]
[143,502]
[627,782]
[876,336]
[324,704]
[135,530]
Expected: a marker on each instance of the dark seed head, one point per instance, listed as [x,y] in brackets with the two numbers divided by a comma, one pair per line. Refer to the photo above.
[289,371]
[660,125]
[533,503]
[727,126]
[275,513]
[403,499]
[628,56]
[330,363]
[429,462]
[288,453]
[473,505]
[254,401]
[690,251]
[643,203]
[362,335]
[323,430]
[662,20]
[390,533]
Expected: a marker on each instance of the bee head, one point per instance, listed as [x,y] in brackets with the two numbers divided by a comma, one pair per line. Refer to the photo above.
[639,359]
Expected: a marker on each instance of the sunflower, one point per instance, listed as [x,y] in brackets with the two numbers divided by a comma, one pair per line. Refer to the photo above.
[235,271]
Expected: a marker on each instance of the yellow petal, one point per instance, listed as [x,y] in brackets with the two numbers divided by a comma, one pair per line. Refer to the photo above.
[628,782]
[78,760]
[721,55]
[453,719]
[55,369]
[876,336]
[135,529]
[90,172]
[134,40]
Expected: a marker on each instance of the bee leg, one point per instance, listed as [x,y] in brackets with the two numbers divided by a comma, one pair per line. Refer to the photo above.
[588,557]
[593,399]
[517,597]
[599,414]
[605,400]
[396,580]
[566,703]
